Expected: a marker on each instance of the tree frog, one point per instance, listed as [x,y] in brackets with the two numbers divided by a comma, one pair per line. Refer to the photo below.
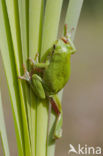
[48,77]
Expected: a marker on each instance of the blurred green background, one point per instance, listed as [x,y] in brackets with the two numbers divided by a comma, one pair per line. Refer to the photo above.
[83,95]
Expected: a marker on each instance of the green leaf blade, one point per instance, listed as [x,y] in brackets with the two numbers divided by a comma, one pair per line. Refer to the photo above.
[13,15]
[73,14]
[23,17]
[35,30]
[3,133]
[10,71]
[51,23]
[42,124]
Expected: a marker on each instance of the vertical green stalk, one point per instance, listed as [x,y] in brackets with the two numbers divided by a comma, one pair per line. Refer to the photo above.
[51,23]
[23,16]
[50,31]
[3,134]
[42,123]
[73,14]
[11,75]
[35,28]
[15,103]
[13,15]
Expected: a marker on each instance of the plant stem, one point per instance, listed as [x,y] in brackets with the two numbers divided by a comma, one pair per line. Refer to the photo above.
[50,26]
[73,14]
[35,25]
[13,15]
[3,134]
[23,16]
[11,76]
[42,124]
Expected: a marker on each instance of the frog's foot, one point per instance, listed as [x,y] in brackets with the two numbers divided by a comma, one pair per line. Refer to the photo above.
[66,30]
[26,75]
[35,60]
[58,127]
[32,61]
[37,57]
[67,35]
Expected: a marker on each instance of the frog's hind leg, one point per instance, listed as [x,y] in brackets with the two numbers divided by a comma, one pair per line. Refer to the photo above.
[56,106]
[38,87]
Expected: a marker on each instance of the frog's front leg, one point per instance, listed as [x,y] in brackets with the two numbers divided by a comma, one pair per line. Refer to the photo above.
[26,75]
[67,39]
[56,105]
[35,82]
[37,64]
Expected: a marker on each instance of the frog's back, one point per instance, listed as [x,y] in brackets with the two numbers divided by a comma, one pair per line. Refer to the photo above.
[57,73]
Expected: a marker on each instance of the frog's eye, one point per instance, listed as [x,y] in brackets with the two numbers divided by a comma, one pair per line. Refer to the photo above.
[54,47]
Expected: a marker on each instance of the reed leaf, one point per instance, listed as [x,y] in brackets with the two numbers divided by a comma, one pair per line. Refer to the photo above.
[3,133]
[73,14]
[11,75]
[13,15]
[38,119]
